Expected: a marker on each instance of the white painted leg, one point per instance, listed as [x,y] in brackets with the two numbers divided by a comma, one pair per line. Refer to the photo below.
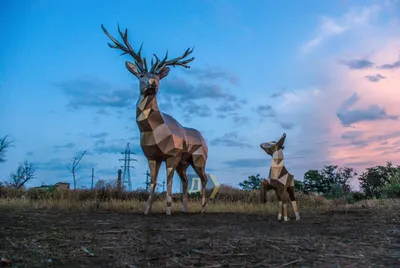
[185,204]
[296,212]
[285,216]
[280,211]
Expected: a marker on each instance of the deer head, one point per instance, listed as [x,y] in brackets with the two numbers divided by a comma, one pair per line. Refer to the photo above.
[273,146]
[148,79]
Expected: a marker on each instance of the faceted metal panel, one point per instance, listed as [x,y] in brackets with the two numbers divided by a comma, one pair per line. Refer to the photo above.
[162,138]
[279,178]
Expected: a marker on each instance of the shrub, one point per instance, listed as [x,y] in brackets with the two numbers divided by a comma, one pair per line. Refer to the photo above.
[335,192]
[357,196]
[392,188]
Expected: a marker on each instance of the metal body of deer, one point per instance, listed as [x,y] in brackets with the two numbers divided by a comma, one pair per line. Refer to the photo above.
[162,138]
[279,178]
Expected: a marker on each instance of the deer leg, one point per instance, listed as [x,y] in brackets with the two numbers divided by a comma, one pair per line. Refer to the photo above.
[154,168]
[263,193]
[284,203]
[200,171]
[278,195]
[171,163]
[290,190]
[181,170]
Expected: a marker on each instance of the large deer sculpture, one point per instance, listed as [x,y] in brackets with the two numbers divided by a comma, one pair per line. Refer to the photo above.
[162,138]
[279,178]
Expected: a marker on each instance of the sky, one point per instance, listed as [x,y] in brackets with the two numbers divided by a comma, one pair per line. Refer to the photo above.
[326,73]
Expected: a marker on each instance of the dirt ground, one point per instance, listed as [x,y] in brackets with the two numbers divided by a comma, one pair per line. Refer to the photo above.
[50,238]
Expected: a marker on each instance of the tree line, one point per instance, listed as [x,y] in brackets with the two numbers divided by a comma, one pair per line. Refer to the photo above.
[333,181]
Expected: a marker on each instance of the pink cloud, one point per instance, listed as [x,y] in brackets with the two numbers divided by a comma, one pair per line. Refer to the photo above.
[345,118]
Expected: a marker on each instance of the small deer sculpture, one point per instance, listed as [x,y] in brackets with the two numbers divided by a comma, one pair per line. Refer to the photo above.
[162,138]
[279,178]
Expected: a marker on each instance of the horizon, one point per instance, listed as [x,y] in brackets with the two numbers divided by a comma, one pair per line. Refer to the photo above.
[325,73]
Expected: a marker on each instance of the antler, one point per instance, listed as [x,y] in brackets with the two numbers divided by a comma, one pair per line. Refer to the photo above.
[139,61]
[158,65]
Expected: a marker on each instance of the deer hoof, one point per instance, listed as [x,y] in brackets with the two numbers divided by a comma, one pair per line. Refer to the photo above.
[168,213]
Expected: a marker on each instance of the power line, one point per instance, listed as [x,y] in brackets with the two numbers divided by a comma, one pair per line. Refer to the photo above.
[126,177]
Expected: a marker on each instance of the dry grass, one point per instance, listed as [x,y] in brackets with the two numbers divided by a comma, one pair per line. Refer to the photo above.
[63,229]
[240,202]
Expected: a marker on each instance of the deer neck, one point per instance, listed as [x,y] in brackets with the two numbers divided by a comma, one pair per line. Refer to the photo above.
[277,159]
[277,164]
[148,115]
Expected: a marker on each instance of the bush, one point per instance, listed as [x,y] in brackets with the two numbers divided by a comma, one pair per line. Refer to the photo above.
[392,188]
[335,192]
[357,196]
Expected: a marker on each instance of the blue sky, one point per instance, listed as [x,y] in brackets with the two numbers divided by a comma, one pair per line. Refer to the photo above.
[312,69]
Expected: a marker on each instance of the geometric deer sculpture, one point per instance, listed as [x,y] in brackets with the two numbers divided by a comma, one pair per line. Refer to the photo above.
[162,138]
[279,178]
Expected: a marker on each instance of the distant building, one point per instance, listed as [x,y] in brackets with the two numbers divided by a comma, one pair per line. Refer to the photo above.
[62,185]
[57,186]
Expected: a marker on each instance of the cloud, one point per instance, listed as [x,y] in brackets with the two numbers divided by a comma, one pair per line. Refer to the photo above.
[247,162]
[330,27]
[355,137]
[55,164]
[191,109]
[58,164]
[184,90]
[357,64]
[230,139]
[174,93]
[91,92]
[374,78]
[99,142]
[99,135]
[265,111]
[214,73]
[286,125]
[189,97]
[230,107]
[107,172]
[276,95]
[67,146]
[115,147]
[394,65]
[363,139]
[238,119]
[373,112]
[279,93]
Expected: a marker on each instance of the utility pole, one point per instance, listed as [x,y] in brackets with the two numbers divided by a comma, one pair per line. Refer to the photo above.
[126,177]
[119,180]
[92,177]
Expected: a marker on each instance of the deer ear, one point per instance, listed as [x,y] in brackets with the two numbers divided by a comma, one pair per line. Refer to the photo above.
[281,141]
[132,68]
[163,72]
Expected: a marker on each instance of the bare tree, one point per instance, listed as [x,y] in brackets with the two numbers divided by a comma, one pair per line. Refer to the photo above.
[25,172]
[73,167]
[5,143]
